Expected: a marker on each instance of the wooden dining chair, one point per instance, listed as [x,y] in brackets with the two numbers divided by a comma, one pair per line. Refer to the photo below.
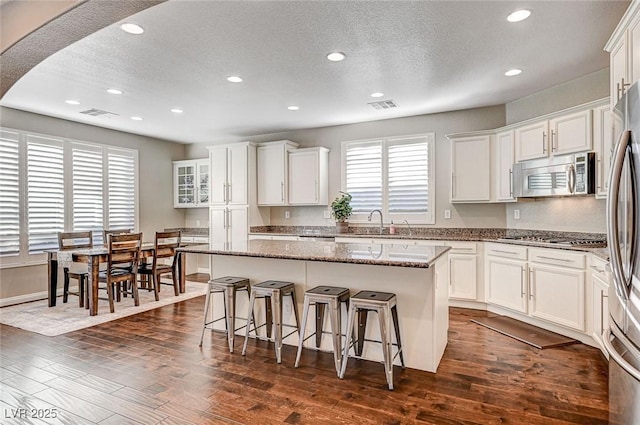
[123,258]
[165,261]
[107,232]
[68,241]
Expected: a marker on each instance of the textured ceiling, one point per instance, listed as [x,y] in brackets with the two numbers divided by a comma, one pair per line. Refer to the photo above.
[428,56]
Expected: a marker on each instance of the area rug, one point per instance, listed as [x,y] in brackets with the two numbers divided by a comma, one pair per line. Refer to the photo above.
[37,317]
[524,332]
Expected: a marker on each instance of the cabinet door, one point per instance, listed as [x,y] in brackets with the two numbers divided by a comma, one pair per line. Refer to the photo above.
[504,164]
[303,178]
[556,294]
[271,175]
[618,69]
[532,141]
[184,175]
[603,144]
[471,169]
[237,180]
[507,285]
[203,181]
[462,276]
[599,307]
[218,225]
[237,223]
[633,50]
[571,133]
[218,186]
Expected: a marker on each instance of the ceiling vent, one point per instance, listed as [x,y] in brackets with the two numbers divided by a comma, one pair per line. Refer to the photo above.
[383,104]
[98,113]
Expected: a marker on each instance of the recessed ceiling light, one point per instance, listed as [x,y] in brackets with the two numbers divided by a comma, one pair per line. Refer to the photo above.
[336,56]
[293,108]
[234,79]
[519,15]
[72,102]
[377,94]
[132,28]
[114,91]
[177,111]
[512,72]
[136,118]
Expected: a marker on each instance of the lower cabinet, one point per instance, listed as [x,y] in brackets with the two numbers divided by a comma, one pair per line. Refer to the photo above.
[229,225]
[463,271]
[600,281]
[506,279]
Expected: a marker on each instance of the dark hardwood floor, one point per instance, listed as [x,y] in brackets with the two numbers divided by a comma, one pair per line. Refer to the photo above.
[149,369]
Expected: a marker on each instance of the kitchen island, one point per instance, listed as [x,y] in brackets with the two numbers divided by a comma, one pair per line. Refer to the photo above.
[418,275]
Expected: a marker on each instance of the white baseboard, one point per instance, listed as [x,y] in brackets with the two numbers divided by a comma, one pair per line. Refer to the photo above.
[27,298]
[203,270]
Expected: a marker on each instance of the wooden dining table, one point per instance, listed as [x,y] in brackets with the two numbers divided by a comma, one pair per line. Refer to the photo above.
[93,257]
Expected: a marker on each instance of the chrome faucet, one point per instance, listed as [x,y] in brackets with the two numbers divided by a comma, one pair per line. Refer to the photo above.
[371,215]
[410,232]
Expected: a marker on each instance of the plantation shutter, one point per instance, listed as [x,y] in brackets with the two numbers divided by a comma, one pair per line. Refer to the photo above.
[408,177]
[9,194]
[364,176]
[87,190]
[122,171]
[45,192]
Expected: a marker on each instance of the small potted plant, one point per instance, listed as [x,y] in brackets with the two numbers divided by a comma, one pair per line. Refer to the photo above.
[341,210]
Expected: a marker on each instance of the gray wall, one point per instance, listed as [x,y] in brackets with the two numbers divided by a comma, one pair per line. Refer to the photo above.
[155,183]
[470,215]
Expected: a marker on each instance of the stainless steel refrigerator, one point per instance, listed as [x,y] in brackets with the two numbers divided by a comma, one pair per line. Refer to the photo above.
[622,340]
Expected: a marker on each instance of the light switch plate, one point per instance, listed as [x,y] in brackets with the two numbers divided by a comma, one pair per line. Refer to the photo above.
[447,214]
[287,214]
[327,214]
[516,214]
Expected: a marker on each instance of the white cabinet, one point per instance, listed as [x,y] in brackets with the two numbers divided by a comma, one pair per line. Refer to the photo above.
[504,166]
[532,141]
[571,133]
[624,49]
[600,281]
[463,266]
[506,277]
[603,144]
[231,166]
[309,176]
[229,225]
[471,169]
[191,183]
[273,172]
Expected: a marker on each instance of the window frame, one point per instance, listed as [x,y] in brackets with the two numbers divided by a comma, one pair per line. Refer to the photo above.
[398,218]
[24,258]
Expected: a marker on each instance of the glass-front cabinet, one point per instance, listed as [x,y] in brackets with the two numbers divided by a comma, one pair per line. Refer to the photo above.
[191,183]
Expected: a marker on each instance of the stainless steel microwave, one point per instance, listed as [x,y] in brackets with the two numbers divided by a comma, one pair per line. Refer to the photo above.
[566,175]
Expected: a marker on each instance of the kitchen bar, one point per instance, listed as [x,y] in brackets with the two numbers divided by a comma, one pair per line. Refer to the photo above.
[418,275]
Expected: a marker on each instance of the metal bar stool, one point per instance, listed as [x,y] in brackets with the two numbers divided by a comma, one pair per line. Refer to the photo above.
[273,292]
[321,297]
[383,303]
[227,286]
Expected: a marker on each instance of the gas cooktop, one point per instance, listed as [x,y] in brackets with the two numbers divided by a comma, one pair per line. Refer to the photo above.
[577,242]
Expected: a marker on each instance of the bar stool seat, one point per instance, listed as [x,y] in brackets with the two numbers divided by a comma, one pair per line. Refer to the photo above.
[228,286]
[321,297]
[383,303]
[273,292]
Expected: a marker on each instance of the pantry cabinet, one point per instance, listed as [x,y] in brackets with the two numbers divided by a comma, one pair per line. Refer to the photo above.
[470,169]
[231,166]
[309,176]
[191,183]
[272,169]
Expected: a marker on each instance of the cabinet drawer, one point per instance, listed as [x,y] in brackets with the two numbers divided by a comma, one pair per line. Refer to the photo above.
[462,247]
[599,267]
[506,251]
[558,258]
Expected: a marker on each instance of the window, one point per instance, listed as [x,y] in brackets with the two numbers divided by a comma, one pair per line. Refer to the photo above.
[392,175]
[48,185]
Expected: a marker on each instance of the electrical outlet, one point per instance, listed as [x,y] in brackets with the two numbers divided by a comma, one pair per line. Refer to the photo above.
[447,214]
[327,214]
[516,214]
[287,214]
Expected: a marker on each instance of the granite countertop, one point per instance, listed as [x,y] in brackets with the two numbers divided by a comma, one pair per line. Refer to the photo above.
[379,255]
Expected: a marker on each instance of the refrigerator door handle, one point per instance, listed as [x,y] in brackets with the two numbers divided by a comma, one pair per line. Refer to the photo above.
[617,162]
[617,357]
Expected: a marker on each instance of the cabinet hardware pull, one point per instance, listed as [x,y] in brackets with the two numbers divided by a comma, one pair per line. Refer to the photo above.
[316,190]
[224,219]
[224,192]
[505,252]
[531,283]
[229,192]
[555,259]
[453,186]
[544,144]
[554,141]
[601,311]
[282,191]
[599,270]
[229,219]
[510,183]
[522,279]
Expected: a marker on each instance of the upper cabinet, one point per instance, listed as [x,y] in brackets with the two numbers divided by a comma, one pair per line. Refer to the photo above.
[603,144]
[560,135]
[230,168]
[505,157]
[191,183]
[309,176]
[470,169]
[273,172]
[624,47]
